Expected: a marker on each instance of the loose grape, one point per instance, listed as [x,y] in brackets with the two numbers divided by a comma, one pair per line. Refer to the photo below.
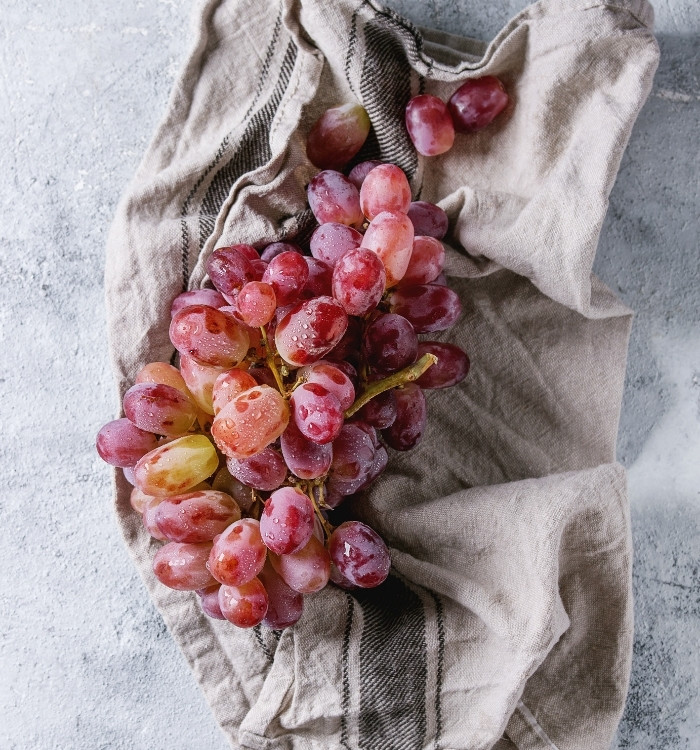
[333,197]
[332,240]
[305,571]
[287,521]
[159,408]
[253,420]
[477,103]
[428,307]
[429,125]
[196,516]
[310,330]
[121,443]
[176,467]
[385,188]
[246,605]
[407,429]
[426,263]
[359,554]
[210,336]
[390,343]
[238,554]
[285,605]
[209,297]
[428,219]
[451,368]
[183,566]
[304,458]
[337,136]
[264,471]
[390,236]
[359,279]
[287,274]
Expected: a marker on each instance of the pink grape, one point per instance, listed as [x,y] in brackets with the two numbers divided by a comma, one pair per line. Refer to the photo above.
[305,458]
[429,125]
[253,420]
[332,378]
[426,263]
[305,571]
[121,443]
[209,336]
[451,368]
[159,408]
[359,279]
[177,466]
[385,188]
[380,411]
[264,471]
[148,517]
[228,385]
[247,251]
[428,307]
[276,248]
[320,279]
[390,236]
[407,430]
[287,274]
[353,456]
[200,381]
[428,219]
[256,303]
[337,136]
[359,554]
[331,241]
[238,554]
[183,566]
[390,343]
[196,516]
[285,605]
[317,413]
[246,605]
[230,268]
[333,197]
[310,330]
[209,297]
[360,171]
[287,522]
[477,103]
[164,374]
[209,600]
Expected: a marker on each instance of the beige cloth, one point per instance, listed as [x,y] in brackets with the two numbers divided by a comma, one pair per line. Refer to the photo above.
[507,620]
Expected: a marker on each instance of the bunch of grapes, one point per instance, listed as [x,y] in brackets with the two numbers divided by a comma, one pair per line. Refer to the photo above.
[297,373]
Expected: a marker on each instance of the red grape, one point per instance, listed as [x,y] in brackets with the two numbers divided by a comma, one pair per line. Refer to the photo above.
[426,263]
[121,443]
[209,599]
[196,516]
[332,240]
[360,171]
[385,188]
[287,521]
[256,303]
[230,268]
[333,197]
[380,412]
[320,279]
[390,235]
[316,412]
[305,458]
[287,274]
[183,566]
[477,103]
[264,471]
[359,554]
[285,604]
[200,381]
[429,125]
[238,554]
[228,385]
[428,219]
[310,330]
[276,248]
[451,368]
[211,337]
[337,136]
[209,297]
[332,378]
[307,570]
[428,307]
[390,343]
[159,408]
[359,280]
[245,605]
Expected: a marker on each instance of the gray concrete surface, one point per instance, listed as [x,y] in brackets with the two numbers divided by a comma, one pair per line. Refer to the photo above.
[85,659]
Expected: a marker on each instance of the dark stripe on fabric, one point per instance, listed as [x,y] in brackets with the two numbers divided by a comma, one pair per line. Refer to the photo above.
[393,668]
[261,643]
[345,705]
[351,47]
[251,152]
[440,617]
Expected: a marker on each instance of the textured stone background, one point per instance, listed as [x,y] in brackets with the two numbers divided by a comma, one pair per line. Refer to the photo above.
[86,660]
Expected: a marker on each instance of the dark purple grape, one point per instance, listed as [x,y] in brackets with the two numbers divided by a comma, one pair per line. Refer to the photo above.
[331,241]
[411,415]
[428,219]
[264,471]
[427,306]
[320,281]
[477,103]
[451,368]
[304,458]
[390,343]
[359,554]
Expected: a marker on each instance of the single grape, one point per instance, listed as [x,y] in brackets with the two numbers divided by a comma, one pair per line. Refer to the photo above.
[380,412]
[200,381]
[159,408]
[310,330]
[451,368]
[337,136]
[196,516]
[477,103]
[209,599]
[319,283]
[264,471]
[426,263]
[210,336]
[353,456]
[209,297]
[390,343]
[407,429]
[228,385]
[428,307]
[360,171]
[176,467]
[287,274]
[390,236]
[256,303]
[276,248]
[287,522]
[340,580]
[246,605]
[247,251]
[332,240]
[224,481]
[305,458]
[316,412]
[230,268]
[121,443]
[285,605]
[359,554]
[385,188]
[428,219]
[429,125]
[183,566]
[238,554]
[359,280]
[253,420]
[333,197]
[332,378]
[305,571]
